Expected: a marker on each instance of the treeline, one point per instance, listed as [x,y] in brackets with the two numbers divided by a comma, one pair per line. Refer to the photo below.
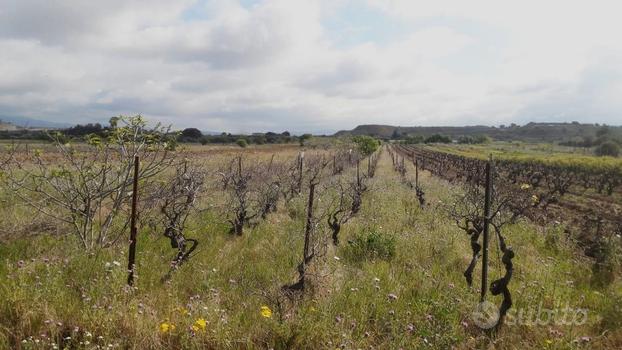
[189,135]
[193,135]
[438,138]
[606,142]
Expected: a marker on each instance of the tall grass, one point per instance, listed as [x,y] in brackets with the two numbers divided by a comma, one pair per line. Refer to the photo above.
[52,292]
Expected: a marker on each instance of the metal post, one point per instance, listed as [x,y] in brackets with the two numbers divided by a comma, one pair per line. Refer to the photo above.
[487,200]
[131,263]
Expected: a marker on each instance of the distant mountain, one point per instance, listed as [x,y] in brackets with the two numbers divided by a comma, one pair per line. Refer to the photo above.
[537,132]
[34,123]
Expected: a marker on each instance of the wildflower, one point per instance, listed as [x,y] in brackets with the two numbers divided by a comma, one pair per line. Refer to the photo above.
[525,186]
[548,342]
[166,327]
[183,311]
[266,312]
[534,199]
[392,296]
[199,325]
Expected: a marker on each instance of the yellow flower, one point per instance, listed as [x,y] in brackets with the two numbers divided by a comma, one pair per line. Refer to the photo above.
[548,342]
[266,312]
[199,325]
[525,186]
[183,311]
[166,327]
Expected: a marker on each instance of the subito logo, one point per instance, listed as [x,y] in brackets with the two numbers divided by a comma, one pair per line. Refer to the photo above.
[485,315]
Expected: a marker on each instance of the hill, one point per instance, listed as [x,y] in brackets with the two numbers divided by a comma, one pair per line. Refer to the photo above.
[24,122]
[537,132]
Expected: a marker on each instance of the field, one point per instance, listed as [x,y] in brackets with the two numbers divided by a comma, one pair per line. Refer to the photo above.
[394,280]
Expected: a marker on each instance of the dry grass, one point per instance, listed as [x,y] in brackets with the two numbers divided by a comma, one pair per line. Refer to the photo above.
[53,293]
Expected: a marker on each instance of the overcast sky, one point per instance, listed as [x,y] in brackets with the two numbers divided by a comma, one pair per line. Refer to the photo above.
[312,65]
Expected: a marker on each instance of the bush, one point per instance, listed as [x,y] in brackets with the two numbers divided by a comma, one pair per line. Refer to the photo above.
[366,144]
[438,138]
[411,140]
[608,148]
[370,246]
[242,143]
[478,139]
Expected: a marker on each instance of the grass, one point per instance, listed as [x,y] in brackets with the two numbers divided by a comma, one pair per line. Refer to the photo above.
[52,292]
[546,154]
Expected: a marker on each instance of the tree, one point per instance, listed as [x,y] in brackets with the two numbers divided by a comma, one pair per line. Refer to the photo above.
[242,143]
[438,138]
[608,148]
[366,144]
[303,138]
[88,187]
[192,133]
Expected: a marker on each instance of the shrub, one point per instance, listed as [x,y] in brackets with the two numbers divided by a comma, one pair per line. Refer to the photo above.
[242,143]
[370,246]
[608,148]
[438,138]
[366,144]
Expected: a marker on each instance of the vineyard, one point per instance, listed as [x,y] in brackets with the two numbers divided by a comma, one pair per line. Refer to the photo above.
[133,241]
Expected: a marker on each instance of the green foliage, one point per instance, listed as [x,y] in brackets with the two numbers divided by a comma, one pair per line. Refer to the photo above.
[366,144]
[608,148]
[370,245]
[478,139]
[303,138]
[242,143]
[192,133]
[438,138]
[412,140]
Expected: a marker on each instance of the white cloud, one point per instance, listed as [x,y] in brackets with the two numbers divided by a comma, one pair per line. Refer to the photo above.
[276,66]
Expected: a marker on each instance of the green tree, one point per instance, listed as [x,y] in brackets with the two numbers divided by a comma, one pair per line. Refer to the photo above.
[192,133]
[303,138]
[366,144]
[242,143]
[608,148]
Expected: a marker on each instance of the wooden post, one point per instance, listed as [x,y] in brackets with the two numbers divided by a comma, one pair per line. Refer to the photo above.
[300,165]
[358,176]
[487,200]
[240,166]
[308,231]
[416,173]
[271,161]
[131,261]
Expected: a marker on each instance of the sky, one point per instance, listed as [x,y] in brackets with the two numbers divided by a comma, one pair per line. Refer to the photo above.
[312,65]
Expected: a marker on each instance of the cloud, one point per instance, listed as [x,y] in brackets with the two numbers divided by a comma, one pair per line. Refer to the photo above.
[276,64]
